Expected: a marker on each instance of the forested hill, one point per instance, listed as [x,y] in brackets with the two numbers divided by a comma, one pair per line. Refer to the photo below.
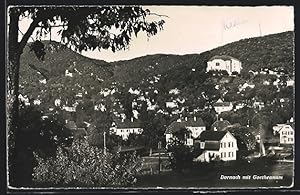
[271,51]
[47,80]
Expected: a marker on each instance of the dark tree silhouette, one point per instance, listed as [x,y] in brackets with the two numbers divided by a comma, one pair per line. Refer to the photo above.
[81,28]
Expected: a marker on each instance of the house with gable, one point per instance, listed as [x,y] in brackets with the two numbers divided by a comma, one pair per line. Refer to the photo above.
[77,132]
[216,145]
[195,126]
[224,62]
[125,127]
[221,106]
[286,132]
[220,125]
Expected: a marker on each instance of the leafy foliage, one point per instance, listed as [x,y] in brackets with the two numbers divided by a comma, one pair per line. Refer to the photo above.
[245,139]
[86,166]
[181,156]
[38,135]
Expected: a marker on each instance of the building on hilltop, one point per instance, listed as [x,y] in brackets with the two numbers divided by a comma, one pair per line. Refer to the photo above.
[224,62]
[221,145]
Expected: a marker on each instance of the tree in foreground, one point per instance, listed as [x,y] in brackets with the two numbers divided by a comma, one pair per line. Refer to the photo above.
[82,165]
[181,155]
[80,28]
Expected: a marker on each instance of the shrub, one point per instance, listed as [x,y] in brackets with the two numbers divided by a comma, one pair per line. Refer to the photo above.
[87,166]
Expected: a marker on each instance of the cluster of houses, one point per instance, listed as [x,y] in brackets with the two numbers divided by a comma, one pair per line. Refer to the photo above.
[216,142]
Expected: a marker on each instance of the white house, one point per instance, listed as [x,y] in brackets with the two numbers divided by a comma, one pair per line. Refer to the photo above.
[125,127]
[239,105]
[290,82]
[221,106]
[195,125]
[286,133]
[224,62]
[258,104]
[68,73]
[220,145]
[172,104]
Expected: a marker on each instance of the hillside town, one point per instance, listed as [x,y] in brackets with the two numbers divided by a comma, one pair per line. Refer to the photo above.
[216,141]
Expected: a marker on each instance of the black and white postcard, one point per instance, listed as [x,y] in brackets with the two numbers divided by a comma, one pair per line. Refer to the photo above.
[150,97]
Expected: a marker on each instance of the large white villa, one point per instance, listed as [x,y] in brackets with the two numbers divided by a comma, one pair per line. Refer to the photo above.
[224,62]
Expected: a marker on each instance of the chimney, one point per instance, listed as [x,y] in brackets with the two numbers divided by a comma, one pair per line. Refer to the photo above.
[122,120]
[185,118]
[131,119]
[292,120]
[215,129]
[195,118]
[221,119]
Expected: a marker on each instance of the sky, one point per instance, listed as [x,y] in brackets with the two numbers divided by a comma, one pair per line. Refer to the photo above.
[195,29]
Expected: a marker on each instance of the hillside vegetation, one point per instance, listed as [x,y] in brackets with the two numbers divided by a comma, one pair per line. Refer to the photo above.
[154,76]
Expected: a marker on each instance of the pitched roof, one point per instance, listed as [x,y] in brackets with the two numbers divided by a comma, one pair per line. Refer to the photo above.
[71,125]
[194,123]
[174,127]
[80,132]
[127,123]
[211,135]
[222,57]
[288,124]
[221,104]
[190,122]
[220,125]
[211,146]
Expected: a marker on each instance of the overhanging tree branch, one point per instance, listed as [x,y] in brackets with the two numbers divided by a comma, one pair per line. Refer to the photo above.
[28,33]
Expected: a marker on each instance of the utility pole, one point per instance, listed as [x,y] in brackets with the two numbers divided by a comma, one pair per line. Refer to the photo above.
[260,33]
[104,142]
[159,161]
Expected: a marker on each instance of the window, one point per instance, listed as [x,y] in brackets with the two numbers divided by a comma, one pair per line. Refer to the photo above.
[221,144]
[292,132]
[224,154]
[229,154]
[225,145]
[217,64]
[221,154]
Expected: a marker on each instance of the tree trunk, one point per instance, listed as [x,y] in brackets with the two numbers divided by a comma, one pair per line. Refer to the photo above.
[13,91]
[15,49]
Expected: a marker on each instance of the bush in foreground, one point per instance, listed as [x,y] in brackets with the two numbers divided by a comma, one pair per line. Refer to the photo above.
[86,166]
